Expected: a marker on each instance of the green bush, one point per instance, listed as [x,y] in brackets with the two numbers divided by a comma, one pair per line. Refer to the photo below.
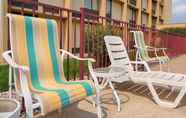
[179,31]
[72,70]
[3,78]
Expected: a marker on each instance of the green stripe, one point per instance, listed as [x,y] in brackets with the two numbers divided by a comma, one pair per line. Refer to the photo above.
[33,64]
[53,52]
[141,44]
[52,46]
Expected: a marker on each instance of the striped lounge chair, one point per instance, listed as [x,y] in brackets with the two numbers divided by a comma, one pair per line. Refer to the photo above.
[154,80]
[38,67]
[143,51]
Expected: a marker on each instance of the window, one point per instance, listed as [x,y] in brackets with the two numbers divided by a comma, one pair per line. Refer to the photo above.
[95,5]
[144,19]
[91,4]
[109,8]
[88,4]
[161,21]
[144,4]
[154,21]
[117,10]
[161,11]
[132,15]
[154,7]
[27,3]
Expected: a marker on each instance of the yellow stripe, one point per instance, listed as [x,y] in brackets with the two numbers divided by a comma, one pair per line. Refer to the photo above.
[43,55]
[19,47]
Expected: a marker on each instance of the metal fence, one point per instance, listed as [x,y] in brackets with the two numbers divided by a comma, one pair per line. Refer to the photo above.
[81,32]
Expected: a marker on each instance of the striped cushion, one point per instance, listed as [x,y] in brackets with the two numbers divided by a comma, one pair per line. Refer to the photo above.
[34,44]
[140,43]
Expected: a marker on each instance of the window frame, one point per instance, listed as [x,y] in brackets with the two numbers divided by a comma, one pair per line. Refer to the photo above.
[109,15]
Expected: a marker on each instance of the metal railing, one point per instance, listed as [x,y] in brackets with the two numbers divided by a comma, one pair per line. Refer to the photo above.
[82,33]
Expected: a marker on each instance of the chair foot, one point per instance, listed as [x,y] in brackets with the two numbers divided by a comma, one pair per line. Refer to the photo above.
[166,104]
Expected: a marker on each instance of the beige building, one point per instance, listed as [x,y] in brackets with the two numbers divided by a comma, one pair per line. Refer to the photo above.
[147,12]
[142,12]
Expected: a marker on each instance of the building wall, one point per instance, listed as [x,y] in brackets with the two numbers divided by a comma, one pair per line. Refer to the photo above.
[3,29]
[168,11]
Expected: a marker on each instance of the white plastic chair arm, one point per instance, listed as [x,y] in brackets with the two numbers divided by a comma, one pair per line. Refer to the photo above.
[78,58]
[12,63]
[24,84]
[150,47]
[90,61]
[90,67]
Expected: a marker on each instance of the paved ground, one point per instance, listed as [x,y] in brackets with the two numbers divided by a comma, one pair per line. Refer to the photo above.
[136,101]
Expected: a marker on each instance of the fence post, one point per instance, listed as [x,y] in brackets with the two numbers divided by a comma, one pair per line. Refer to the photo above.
[82,16]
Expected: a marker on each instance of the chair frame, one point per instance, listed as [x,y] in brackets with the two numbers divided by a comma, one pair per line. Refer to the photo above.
[25,91]
[148,78]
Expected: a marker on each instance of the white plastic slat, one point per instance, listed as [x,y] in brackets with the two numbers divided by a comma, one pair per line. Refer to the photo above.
[150,75]
[159,75]
[168,76]
[117,48]
[119,55]
[122,62]
[139,74]
[177,78]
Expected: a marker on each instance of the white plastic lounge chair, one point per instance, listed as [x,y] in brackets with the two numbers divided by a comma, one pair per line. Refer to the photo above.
[119,57]
[38,66]
[143,50]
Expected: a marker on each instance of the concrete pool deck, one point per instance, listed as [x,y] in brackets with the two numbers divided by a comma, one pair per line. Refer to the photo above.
[136,101]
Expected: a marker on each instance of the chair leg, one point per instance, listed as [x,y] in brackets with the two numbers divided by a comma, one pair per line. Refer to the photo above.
[168,67]
[160,63]
[26,95]
[92,98]
[116,96]
[10,82]
[172,90]
[165,103]
[99,112]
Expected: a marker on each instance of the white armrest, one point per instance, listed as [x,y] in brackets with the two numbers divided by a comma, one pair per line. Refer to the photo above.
[78,58]
[90,67]
[155,48]
[24,84]
[12,63]
[148,49]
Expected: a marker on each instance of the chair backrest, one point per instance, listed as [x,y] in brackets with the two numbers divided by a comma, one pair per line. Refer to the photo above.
[117,52]
[140,43]
[34,44]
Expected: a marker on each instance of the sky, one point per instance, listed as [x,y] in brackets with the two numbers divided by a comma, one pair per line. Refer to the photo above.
[179,11]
